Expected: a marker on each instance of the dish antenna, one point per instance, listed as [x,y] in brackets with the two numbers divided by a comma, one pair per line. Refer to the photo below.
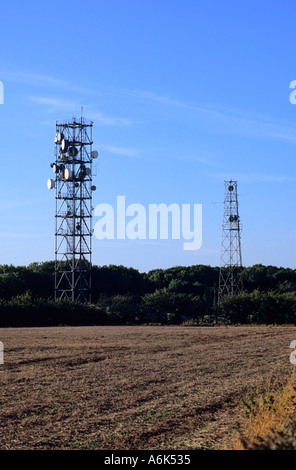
[230,276]
[73,185]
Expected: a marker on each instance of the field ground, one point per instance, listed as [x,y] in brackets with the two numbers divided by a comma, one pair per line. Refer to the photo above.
[134,387]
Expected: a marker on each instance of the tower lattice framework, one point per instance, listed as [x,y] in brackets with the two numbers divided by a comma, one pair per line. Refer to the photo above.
[231,270]
[73,216]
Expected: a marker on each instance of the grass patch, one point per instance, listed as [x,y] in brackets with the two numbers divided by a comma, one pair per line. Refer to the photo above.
[270,414]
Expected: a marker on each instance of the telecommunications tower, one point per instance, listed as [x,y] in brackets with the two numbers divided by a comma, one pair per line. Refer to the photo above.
[73,216]
[230,277]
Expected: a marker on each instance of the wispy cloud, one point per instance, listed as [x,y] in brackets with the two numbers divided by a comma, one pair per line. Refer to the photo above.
[128,152]
[160,99]
[203,160]
[105,119]
[54,104]
[36,79]
[254,177]
[221,119]
[10,205]
[212,117]
[18,235]
[250,124]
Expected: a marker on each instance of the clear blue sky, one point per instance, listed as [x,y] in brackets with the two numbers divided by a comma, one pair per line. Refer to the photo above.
[183,94]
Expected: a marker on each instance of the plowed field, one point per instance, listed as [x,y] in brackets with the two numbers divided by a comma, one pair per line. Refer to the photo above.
[134,387]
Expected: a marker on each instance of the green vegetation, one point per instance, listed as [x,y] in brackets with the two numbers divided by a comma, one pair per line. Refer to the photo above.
[123,295]
[271,415]
[259,307]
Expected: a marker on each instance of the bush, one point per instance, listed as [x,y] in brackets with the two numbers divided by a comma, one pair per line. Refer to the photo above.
[259,307]
[121,309]
[165,306]
[25,310]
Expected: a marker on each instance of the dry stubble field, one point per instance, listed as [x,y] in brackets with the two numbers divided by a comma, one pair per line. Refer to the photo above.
[134,387]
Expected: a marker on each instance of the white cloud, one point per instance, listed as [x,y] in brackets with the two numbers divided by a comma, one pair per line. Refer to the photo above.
[108,120]
[254,177]
[129,152]
[221,119]
[30,78]
[54,104]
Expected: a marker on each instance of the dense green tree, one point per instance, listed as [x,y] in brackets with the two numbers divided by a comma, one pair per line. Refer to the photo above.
[259,307]
[165,306]
[122,295]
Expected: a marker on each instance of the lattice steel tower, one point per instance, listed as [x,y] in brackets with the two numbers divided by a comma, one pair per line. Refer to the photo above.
[230,277]
[73,217]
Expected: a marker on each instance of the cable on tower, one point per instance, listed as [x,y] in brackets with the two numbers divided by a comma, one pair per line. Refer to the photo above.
[231,270]
[73,227]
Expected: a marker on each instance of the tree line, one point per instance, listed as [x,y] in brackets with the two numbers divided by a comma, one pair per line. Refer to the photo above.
[122,295]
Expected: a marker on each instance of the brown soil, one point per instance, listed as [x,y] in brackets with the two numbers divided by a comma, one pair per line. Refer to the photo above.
[134,387]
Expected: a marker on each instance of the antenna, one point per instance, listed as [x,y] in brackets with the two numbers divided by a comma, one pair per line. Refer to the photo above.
[73,228]
[230,276]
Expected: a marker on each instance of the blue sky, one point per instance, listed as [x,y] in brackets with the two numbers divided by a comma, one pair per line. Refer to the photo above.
[183,95]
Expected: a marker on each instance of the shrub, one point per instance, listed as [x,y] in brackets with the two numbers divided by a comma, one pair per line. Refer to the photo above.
[259,307]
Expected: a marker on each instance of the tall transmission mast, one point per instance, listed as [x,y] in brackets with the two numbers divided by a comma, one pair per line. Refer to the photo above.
[230,277]
[73,216]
